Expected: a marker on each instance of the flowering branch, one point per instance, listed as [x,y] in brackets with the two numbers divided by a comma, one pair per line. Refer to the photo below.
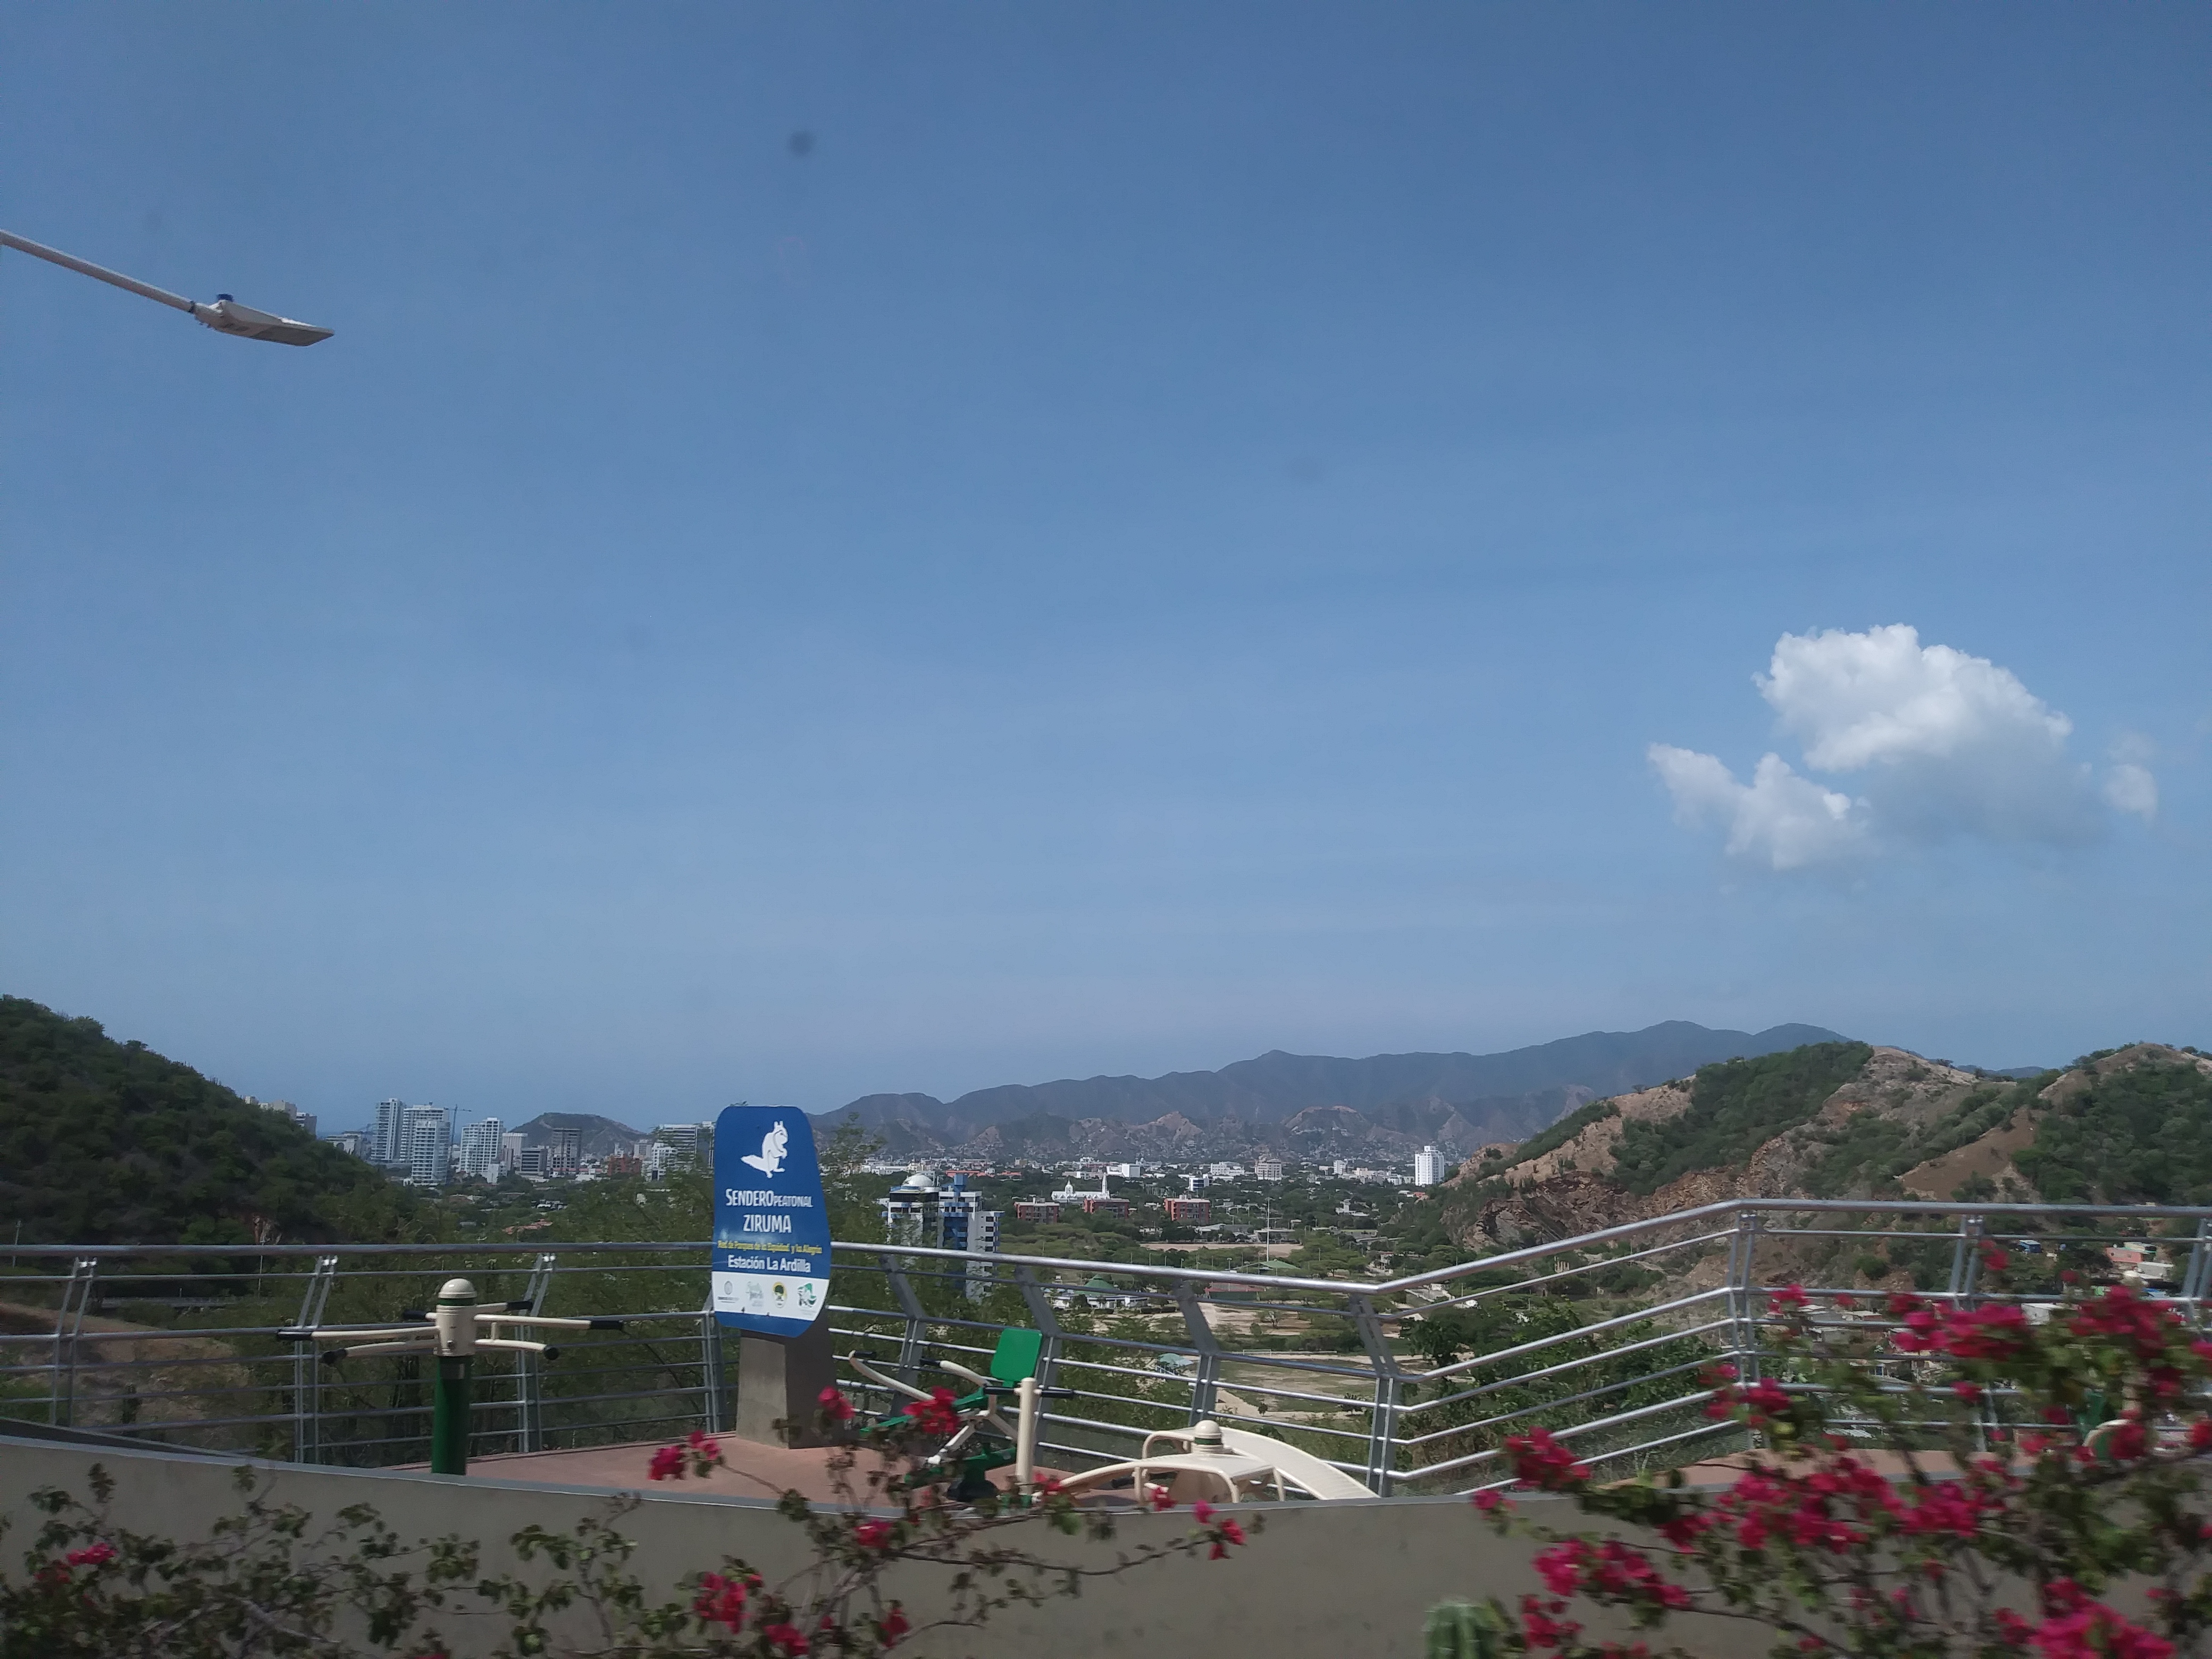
[2037,1471]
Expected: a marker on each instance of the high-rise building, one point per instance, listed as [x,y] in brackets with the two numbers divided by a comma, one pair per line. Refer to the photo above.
[951,1218]
[656,1156]
[529,1161]
[480,1149]
[913,1211]
[386,1132]
[1267,1168]
[510,1150]
[564,1152]
[426,1143]
[967,1225]
[1428,1167]
[685,1140]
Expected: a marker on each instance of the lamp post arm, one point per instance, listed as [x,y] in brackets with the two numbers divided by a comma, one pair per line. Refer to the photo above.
[85,267]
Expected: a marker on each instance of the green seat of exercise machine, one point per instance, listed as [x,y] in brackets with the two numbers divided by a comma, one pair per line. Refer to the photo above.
[1015,1356]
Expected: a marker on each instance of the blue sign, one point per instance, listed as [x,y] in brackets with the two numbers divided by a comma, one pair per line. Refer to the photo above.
[771,1261]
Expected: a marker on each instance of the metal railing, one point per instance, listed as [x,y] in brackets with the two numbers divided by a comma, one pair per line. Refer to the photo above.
[185,1345]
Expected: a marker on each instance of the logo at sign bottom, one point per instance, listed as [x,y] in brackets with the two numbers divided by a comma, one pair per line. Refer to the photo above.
[781,1296]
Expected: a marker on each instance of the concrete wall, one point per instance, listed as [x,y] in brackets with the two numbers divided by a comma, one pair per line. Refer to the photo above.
[1322,1580]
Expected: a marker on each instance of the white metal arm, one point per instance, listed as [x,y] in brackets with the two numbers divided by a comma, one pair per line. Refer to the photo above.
[883,1380]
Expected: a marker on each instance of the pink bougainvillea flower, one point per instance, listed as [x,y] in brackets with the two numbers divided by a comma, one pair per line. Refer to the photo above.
[720,1601]
[1541,1462]
[938,1414]
[834,1404]
[667,1464]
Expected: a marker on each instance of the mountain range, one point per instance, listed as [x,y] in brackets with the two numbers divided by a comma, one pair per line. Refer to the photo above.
[1311,1105]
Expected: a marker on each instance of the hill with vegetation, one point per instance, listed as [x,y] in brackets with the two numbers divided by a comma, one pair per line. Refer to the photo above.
[1840,1121]
[104,1142]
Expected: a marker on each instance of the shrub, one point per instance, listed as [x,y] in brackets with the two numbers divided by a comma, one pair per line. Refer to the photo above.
[268,1582]
[2050,1476]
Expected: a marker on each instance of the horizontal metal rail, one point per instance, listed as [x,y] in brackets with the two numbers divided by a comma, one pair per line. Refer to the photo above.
[1159,1346]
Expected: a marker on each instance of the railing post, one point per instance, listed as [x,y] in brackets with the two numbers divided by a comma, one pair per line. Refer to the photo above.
[529,1374]
[1743,1249]
[306,1366]
[1046,1318]
[1205,1381]
[2197,1277]
[1383,1418]
[1966,1259]
[910,1345]
[68,1326]
[710,1366]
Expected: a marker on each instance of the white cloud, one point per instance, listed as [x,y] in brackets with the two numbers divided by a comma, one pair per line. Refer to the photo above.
[1779,819]
[1944,743]
[2131,788]
[1881,697]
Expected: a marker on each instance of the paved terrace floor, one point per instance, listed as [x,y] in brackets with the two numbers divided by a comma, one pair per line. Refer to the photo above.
[750,1470]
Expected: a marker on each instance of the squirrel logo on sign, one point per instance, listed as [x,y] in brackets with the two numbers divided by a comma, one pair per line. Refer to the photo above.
[769,1159]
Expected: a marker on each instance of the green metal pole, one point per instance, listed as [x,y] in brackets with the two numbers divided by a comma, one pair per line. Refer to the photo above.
[456,1345]
[449,1418]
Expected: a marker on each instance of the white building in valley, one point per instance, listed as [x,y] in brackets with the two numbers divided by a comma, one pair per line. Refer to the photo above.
[480,1149]
[426,1145]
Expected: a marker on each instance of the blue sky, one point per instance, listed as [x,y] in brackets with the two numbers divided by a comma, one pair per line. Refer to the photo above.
[1151,533]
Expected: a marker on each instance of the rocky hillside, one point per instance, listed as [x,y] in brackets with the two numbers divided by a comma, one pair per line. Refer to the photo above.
[1846,1120]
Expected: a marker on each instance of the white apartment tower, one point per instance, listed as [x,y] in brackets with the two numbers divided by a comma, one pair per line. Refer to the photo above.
[426,1145]
[1428,1167]
[480,1149]
[385,1133]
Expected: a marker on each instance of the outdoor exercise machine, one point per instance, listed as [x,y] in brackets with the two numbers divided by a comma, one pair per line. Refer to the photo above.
[984,1440]
[451,1333]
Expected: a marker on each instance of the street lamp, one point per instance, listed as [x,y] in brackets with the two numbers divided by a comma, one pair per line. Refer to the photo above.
[223,314]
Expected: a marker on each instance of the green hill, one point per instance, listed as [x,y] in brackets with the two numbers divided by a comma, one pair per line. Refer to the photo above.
[2136,1127]
[1735,1107]
[104,1142]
